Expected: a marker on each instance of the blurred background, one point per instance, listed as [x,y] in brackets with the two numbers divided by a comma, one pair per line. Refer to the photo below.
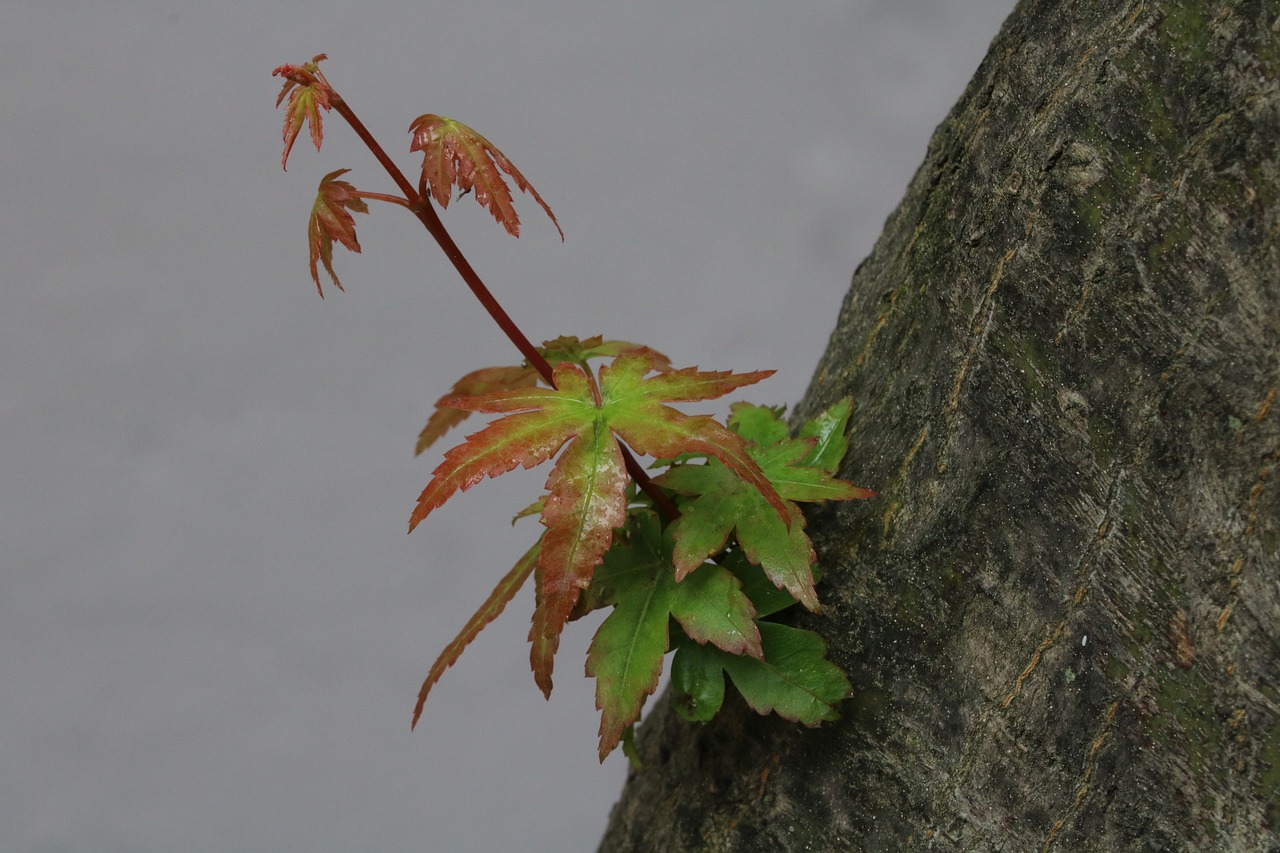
[212,624]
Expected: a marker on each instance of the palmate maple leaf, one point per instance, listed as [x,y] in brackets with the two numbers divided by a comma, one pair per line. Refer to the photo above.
[330,220]
[483,381]
[792,679]
[586,497]
[720,505]
[509,377]
[626,655]
[454,154]
[308,91]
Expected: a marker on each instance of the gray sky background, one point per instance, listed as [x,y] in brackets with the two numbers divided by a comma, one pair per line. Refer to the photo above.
[212,625]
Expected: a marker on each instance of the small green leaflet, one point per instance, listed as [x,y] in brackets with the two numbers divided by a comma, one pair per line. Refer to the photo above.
[827,431]
[626,655]
[794,679]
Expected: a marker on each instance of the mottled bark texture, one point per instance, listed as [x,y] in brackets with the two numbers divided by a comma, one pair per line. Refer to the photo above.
[1061,614]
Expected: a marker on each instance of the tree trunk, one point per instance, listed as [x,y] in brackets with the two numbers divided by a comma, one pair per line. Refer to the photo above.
[1061,613]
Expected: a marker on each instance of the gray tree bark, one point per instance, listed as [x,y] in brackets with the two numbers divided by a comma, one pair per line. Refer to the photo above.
[1061,615]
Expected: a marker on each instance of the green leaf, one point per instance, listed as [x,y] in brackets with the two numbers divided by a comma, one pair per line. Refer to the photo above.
[767,598]
[588,491]
[721,504]
[794,679]
[626,655]
[697,679]
[827,431]
[490,610]
[761,424]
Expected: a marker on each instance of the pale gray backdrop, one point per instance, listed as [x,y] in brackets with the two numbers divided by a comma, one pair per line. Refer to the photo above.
[212,625]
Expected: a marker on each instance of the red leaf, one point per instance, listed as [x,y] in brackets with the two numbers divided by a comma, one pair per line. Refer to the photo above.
[490,610]
[454,154]
[579,351]
[483,381]
[524,439]
[586,502]
[308,91]
[330,221]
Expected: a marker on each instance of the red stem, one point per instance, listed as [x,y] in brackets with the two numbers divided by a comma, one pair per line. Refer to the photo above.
[421,207]
[420,204]
[393,199]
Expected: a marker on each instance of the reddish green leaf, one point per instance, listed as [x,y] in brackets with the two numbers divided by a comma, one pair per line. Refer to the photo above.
[483,381]
[454,154]
[490,379]
[490,610]
[527,438]
[308,91]
[586,500]
[588,488]
[330,221]
[636,413]
[626,655]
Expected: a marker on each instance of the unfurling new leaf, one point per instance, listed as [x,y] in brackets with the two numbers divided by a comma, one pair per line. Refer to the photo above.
[308,92]
[330,220]
[455,155]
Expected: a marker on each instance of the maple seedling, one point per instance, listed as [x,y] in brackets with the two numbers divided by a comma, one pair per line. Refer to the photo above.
[696,560]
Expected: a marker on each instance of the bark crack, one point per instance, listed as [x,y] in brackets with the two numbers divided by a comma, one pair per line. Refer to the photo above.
[1086,776]
[978,330]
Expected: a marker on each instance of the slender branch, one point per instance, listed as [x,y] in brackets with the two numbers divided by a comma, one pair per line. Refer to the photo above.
[422,208]
[420,204]
[372,144]
[393,199]
[665,506]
